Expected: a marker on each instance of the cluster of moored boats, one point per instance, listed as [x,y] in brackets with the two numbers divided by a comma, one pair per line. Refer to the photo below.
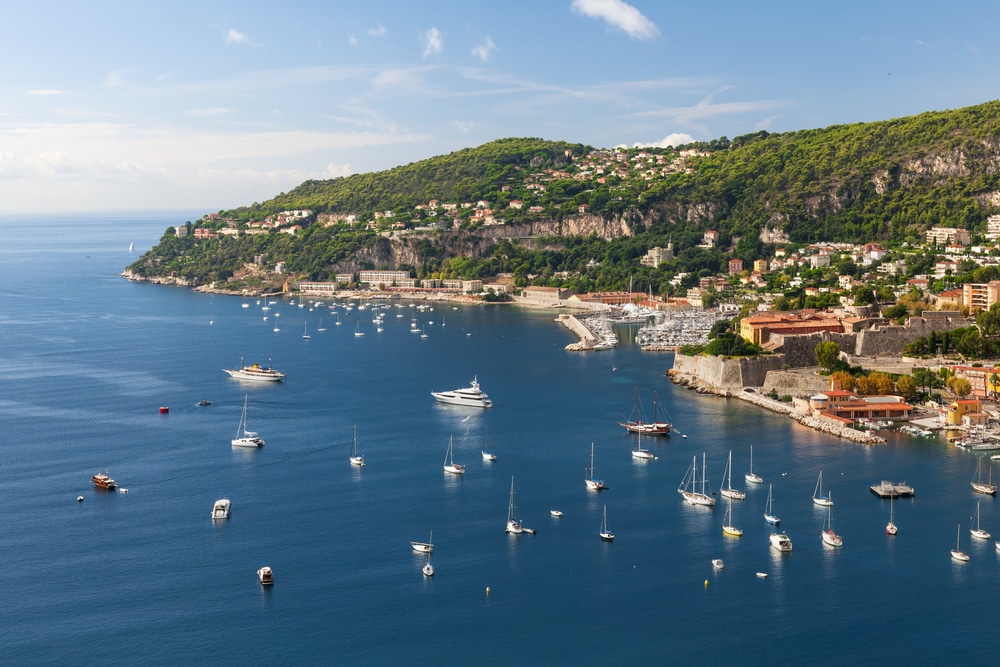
[684,327]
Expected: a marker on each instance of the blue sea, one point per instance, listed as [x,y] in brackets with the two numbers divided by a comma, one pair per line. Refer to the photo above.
[146,577]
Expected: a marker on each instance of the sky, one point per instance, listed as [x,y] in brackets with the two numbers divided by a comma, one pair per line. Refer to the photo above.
[125,105]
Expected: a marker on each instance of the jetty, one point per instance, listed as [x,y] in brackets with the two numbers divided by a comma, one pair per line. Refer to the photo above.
[886,489]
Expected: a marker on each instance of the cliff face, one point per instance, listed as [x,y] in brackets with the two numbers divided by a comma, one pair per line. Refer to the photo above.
[405,248]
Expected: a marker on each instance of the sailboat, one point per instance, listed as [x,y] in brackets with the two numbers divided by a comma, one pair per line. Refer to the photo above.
[488,454]
[749,475]
[355,459]
[245,438]
[513,525]
[769,515]
[636,424]
[818,497]
[606,534]
[131,246]
[890,528]
[640,453]
[728,491]
[689,485]
[830,537]
[957,552]
[988,488]
[449,463]
[428,569]
[320,327]
[727,523]
[590,476]
[305,331]
[357,330]
[978,532]
[424,547]
[337,321]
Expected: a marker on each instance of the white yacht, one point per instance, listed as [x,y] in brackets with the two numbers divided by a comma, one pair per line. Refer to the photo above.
[424,547]
[221,509]
[471,396]
[265,576]
[780,542]
[255,373]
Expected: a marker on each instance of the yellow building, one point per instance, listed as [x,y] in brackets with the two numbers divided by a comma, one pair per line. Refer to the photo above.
[958,409]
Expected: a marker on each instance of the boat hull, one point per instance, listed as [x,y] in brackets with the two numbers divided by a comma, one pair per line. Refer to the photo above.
[255,374]
[832,539]
[652,428]
[733,494]
[780,542]
[102,481]
[248,442]
[692,498]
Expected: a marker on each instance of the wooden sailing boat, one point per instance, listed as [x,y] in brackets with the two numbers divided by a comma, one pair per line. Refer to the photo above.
[749,475]
[769,514]
[636,424]
[355,459]
[728,491]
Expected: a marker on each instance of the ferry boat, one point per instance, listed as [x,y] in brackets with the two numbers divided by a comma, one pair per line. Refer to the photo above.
[103,481]
[221,509]
[256,373]
[471,396]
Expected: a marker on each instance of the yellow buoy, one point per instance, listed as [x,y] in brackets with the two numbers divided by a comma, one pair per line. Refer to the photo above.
[706,583]
[487,590]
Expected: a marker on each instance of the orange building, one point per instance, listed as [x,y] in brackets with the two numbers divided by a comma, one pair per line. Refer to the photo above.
[758,328]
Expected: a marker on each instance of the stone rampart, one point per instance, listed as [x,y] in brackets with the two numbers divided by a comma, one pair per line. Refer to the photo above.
[726,373]
[889,340]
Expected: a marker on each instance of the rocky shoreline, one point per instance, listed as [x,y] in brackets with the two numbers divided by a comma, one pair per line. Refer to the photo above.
[817,423]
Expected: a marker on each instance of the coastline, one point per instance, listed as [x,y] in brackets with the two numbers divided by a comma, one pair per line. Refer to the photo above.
[748,395]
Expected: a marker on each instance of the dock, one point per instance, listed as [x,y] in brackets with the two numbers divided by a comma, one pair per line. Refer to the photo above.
[886,489]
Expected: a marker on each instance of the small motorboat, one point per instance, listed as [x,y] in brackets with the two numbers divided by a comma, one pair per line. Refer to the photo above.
[762,575]
[556,513]
[718,564]
[489,456]
[265,576]
[203,402]
[164,409]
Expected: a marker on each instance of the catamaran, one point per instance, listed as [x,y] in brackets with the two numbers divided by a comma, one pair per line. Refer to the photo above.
[245,438]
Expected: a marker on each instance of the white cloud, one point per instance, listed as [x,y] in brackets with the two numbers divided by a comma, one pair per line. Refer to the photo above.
[433,42]
[483,51]
[465,126]
[115,78]
[217,111]
[377,31]
[352,40]
[47,91]
[673,139]
[234,36]
[619,15]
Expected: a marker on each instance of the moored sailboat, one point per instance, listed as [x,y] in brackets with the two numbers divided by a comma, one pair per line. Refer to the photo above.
[979,486]
[636,424]
[606,534]
[590,475]
[639,452]
[829,537]
[244,437]
[957,552]
[727,523]
[356,460]
[728,491]
[978,532]
[890,528]
[513,525]
[689,485]
[818,497]
[769,514]
[750,475]
[449,462]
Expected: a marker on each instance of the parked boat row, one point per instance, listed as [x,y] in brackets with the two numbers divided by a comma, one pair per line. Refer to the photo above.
[684,327]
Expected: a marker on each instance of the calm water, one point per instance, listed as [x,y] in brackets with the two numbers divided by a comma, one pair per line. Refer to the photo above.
[146,578]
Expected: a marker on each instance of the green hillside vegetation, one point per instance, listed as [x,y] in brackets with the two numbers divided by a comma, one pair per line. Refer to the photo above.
[885,181]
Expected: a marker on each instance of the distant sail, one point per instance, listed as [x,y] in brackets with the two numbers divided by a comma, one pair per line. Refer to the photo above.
[130,246]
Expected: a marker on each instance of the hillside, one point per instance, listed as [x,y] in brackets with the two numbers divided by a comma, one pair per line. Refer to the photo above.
[546,207]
